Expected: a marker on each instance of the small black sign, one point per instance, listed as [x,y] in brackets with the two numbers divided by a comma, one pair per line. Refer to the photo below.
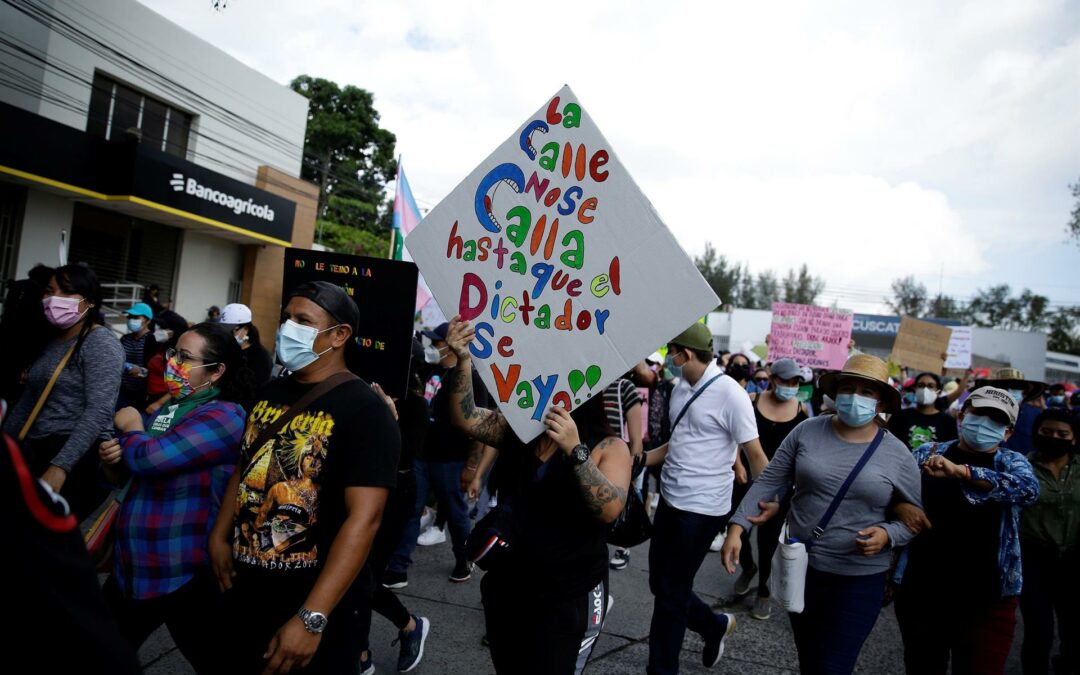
[385,293]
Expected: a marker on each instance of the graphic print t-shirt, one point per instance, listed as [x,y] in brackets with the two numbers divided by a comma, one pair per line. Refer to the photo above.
[291,499]
[915,428]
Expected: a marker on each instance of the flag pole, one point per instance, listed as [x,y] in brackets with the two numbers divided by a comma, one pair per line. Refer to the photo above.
[397,189]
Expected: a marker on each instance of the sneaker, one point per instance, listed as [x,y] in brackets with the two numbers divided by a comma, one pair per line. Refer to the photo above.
[620,559]
[394,580]
[462,571]
[367,666]
[742,584]
[717,543]
[412,645]
[432,536]
[714,644]
[427,519]
[762,609]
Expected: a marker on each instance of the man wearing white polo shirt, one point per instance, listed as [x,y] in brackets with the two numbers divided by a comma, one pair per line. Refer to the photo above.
[711,417]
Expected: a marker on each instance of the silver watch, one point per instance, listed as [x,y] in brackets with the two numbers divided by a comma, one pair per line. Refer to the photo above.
[315,622]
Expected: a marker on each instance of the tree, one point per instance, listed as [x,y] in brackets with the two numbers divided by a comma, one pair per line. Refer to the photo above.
[909,297]
[345,239]
[347,153]
[1064,335]
[944,307]
[802,288]
[1074,219]
[721,275]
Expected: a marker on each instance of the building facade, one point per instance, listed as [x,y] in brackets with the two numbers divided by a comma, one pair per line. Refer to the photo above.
[134,147]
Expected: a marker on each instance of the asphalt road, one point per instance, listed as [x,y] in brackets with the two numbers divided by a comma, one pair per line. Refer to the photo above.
[458,624]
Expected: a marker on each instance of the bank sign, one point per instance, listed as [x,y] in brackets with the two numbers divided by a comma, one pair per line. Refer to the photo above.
[878,324]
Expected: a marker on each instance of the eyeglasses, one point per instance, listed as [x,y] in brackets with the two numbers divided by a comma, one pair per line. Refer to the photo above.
[926,385]
[182,358]
[761,380]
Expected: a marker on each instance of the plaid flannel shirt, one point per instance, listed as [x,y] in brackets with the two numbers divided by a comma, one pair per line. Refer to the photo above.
[178,482]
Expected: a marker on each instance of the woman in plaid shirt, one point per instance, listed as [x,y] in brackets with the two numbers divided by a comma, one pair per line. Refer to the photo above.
[175,472]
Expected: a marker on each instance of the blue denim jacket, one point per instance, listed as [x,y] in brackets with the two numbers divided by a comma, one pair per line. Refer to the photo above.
[1014,486]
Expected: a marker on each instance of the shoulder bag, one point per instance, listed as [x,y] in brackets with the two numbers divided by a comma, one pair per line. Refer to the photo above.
[788,580]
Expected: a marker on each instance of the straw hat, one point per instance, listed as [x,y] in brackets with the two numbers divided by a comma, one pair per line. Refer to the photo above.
[1012,378]
[864,367]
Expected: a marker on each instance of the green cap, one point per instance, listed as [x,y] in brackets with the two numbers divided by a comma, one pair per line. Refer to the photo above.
[697,336]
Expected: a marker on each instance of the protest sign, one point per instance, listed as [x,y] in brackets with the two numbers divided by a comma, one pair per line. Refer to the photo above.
[385,294]
[921,345]
[560,262]
[814,336]
[959,348]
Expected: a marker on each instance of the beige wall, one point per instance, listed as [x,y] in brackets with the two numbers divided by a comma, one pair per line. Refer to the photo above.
[263,264]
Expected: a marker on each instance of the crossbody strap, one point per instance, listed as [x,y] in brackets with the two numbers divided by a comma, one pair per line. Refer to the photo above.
[820,529]
[47,390]
[301,404]
[693,398]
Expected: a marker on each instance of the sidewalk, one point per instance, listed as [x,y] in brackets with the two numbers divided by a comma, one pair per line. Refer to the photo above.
[758,647]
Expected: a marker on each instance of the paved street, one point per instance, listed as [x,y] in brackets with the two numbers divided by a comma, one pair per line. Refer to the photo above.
[458,623]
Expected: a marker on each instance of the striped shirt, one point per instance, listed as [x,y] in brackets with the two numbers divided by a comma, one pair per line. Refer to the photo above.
[619,397]
[178,482]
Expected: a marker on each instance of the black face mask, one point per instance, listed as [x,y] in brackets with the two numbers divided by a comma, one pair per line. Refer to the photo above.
[738,372]
[1053,448]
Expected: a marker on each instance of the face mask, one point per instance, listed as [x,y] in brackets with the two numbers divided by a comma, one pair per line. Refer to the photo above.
[1052,447]
[981,433]
[240,339]
[63,312]
[909,398]
[178,378]
[1017,394]
[134,325]
[669,363]
[738,372]
[432,356]
[926,396]
[786,393]
[161,335]
[1057,401]
[294,345]
[855,410]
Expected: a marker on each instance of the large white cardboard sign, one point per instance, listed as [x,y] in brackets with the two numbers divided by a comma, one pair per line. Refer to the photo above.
[563,266]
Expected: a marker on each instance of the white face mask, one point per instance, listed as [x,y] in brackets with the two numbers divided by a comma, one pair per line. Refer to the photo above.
[925,396]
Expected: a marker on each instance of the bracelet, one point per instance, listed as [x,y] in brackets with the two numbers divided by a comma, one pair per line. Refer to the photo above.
[967,467]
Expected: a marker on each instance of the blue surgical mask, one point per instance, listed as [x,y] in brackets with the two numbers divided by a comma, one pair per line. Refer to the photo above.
[786,393]
[1017,394]
[669,363]
[981,433]
[1057,401]
[295,345]
[134,325]
[855,410]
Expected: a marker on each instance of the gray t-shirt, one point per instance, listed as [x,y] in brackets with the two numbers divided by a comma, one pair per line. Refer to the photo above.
[81,403]
[818,462]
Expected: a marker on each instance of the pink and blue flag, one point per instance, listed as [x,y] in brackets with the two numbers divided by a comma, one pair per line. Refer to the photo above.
[406,217]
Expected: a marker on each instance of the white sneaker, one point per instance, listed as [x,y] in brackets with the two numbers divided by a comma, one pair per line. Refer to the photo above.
[432,536]
[717,543]
[427,519]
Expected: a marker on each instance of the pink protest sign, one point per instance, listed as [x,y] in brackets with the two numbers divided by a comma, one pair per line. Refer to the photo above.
[814,336]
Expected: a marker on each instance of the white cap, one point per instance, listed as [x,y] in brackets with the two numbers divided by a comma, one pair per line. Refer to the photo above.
[235,314]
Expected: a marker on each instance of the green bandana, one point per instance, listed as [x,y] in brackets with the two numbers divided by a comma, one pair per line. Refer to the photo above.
[178,408]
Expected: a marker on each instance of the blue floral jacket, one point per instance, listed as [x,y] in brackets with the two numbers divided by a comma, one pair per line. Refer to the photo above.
[1014,486]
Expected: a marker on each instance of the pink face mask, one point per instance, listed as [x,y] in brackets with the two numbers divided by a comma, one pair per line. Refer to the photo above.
[63,312]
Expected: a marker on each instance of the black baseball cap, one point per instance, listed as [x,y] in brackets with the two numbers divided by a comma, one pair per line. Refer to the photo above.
[333,299]
[439,333]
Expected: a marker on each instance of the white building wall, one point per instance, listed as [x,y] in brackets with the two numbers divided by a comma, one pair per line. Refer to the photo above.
[207,265]
[46,215]
[156,44]
[1023,350]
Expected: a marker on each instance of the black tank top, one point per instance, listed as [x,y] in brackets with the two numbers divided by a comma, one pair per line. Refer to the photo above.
[772,434]
[562,548]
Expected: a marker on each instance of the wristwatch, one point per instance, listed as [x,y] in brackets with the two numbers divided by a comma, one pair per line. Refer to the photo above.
[579,455]
[315,622]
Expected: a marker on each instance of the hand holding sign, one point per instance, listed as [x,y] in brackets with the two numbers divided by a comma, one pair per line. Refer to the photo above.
[459,336]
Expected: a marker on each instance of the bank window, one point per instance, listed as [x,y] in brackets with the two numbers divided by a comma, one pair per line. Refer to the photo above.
[116,108]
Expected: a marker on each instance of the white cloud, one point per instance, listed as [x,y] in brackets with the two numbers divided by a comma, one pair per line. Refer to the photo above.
[904,134]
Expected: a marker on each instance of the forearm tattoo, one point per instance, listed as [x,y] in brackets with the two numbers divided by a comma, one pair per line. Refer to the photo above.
[484,426]
[597,489]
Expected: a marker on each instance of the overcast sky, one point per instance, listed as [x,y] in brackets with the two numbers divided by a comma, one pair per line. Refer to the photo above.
[869,140]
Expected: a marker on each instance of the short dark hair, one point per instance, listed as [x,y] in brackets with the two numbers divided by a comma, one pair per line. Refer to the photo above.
[1056,415]
[703,355]
[937,378]
[237,384]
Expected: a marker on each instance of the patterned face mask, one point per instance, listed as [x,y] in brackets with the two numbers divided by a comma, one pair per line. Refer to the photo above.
[178,378]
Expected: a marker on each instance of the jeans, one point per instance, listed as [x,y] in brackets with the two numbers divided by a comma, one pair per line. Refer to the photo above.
[1051,588]
[839,614]
[445,479]
[680,542]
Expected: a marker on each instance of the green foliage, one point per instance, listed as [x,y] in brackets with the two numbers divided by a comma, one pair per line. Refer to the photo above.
[909,297]
[802,288]
[736,286]
[345,239]
[1074,217]
[348,155]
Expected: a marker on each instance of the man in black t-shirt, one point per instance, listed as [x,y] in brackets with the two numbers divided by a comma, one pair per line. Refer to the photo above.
[927,422]
[301,511]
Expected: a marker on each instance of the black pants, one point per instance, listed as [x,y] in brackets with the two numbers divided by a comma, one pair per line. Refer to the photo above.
[83,488]
[189,613]
[532,633]
[1051,588]
[257,607]
[399,508]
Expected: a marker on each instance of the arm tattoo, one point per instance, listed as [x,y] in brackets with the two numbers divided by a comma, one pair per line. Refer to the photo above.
[597,489]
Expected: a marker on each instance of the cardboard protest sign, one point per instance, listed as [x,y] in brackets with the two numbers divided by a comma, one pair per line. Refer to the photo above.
[921,345]
[563,266]
[814,336]
[384,292]
[959,348]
